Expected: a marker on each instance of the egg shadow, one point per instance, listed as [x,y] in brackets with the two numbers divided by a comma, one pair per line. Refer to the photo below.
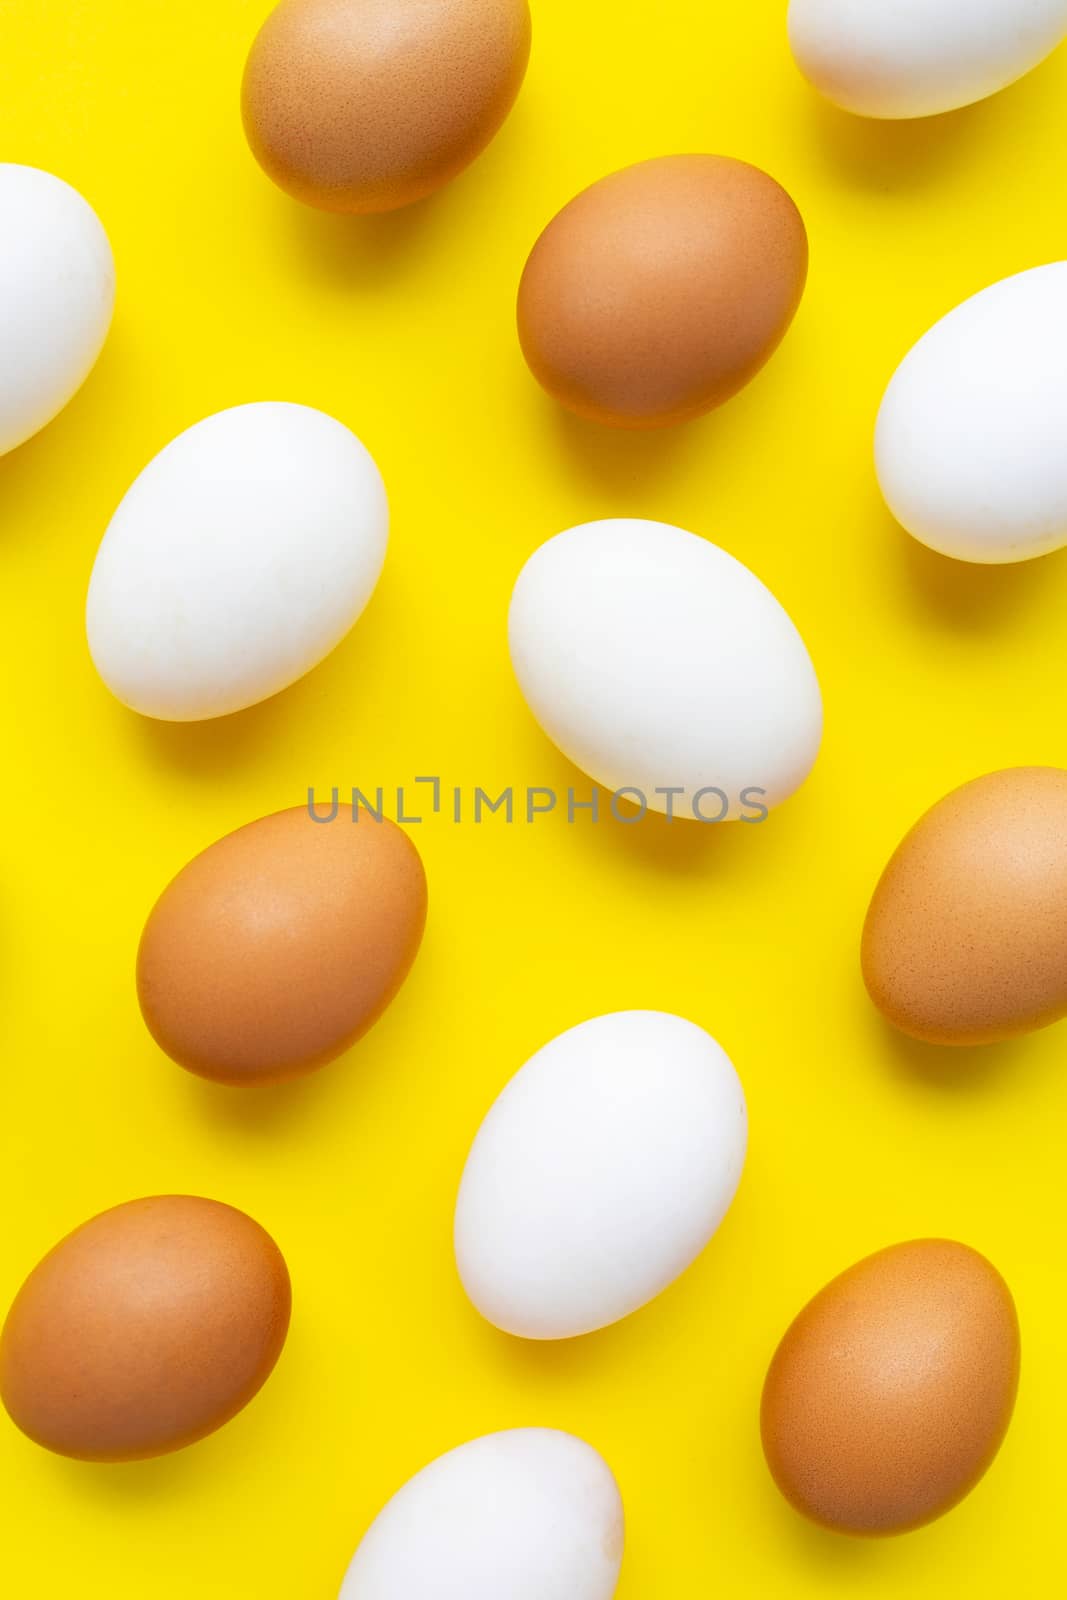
[333,1092]
[360,251]
[183,1473]
[129,1482]
[836,1556]
[563,1362]
[654,841]
[256,1110]
[673,1324]
[679,845]
[967,595]
[621,462]
[370,250]
[18,466]
[212,748]
[886,154]
[686,847]
[953,1069]
[55,453]
[853,1560]
[336,1092]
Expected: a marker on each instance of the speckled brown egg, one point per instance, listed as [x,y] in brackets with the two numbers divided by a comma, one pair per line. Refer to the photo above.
[891,1392]
[966,937]
[279,946]
[144,1330]
[366,105]
[660,291]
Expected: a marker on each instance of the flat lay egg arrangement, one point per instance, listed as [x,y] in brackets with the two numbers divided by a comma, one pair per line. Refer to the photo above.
[535,898]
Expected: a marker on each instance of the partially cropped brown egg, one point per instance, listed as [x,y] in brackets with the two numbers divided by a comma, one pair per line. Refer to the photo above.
[366,105]
[279,946]
[891,1393]
[144,1330]
[660,291]
[966,936]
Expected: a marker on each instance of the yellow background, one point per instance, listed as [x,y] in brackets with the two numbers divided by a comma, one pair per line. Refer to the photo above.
[932,673]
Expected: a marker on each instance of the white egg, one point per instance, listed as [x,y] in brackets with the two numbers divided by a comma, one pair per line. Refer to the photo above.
[599,1175]
[237,560]
[658,663]
[530,1514]
[57,294]
[916,58]
[971,441]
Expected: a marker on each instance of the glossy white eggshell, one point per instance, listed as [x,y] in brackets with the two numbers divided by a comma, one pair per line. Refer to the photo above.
[599,1175]
[916,58]
[241,555]
[654,660]
[530,1514]
[57,294]
[971,440]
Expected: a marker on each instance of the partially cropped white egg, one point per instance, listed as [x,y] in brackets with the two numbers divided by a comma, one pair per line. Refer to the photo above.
[970,444]
[599,1175]
[916,58]
[660,665]
[237,560]
[57,294]
[530,1514]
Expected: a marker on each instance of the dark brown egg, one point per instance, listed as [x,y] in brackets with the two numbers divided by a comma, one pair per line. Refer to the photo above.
[144,1330]
[966,937]
[891,1392]
[660,291]
[279,946]
[366,105]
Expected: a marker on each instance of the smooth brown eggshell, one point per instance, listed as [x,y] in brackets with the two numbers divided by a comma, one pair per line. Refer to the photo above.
[279,946]
[366,105]
[966,937]
[891,1392]
[144,1330]
[660,291]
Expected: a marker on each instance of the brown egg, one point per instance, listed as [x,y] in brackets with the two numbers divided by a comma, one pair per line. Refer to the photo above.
[366,105]
[891,1393]
[277,947]
[659,292]
[966,937]
[144,1330]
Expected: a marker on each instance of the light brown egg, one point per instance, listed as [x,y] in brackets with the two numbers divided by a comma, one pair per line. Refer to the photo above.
[891,1392]
[366,105]
[966,937]
[144,1330]
[660,291]
[277,947]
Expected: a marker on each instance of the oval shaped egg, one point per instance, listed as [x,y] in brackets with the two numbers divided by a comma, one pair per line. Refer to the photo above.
[968,443]
[915,58]
[530,1514]
[236,562]
[965,936]
[276,948]
[366,105]
[891,1393]
[658,663]
[144,1330]
[57,290]
[599,1174]
[660,291]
